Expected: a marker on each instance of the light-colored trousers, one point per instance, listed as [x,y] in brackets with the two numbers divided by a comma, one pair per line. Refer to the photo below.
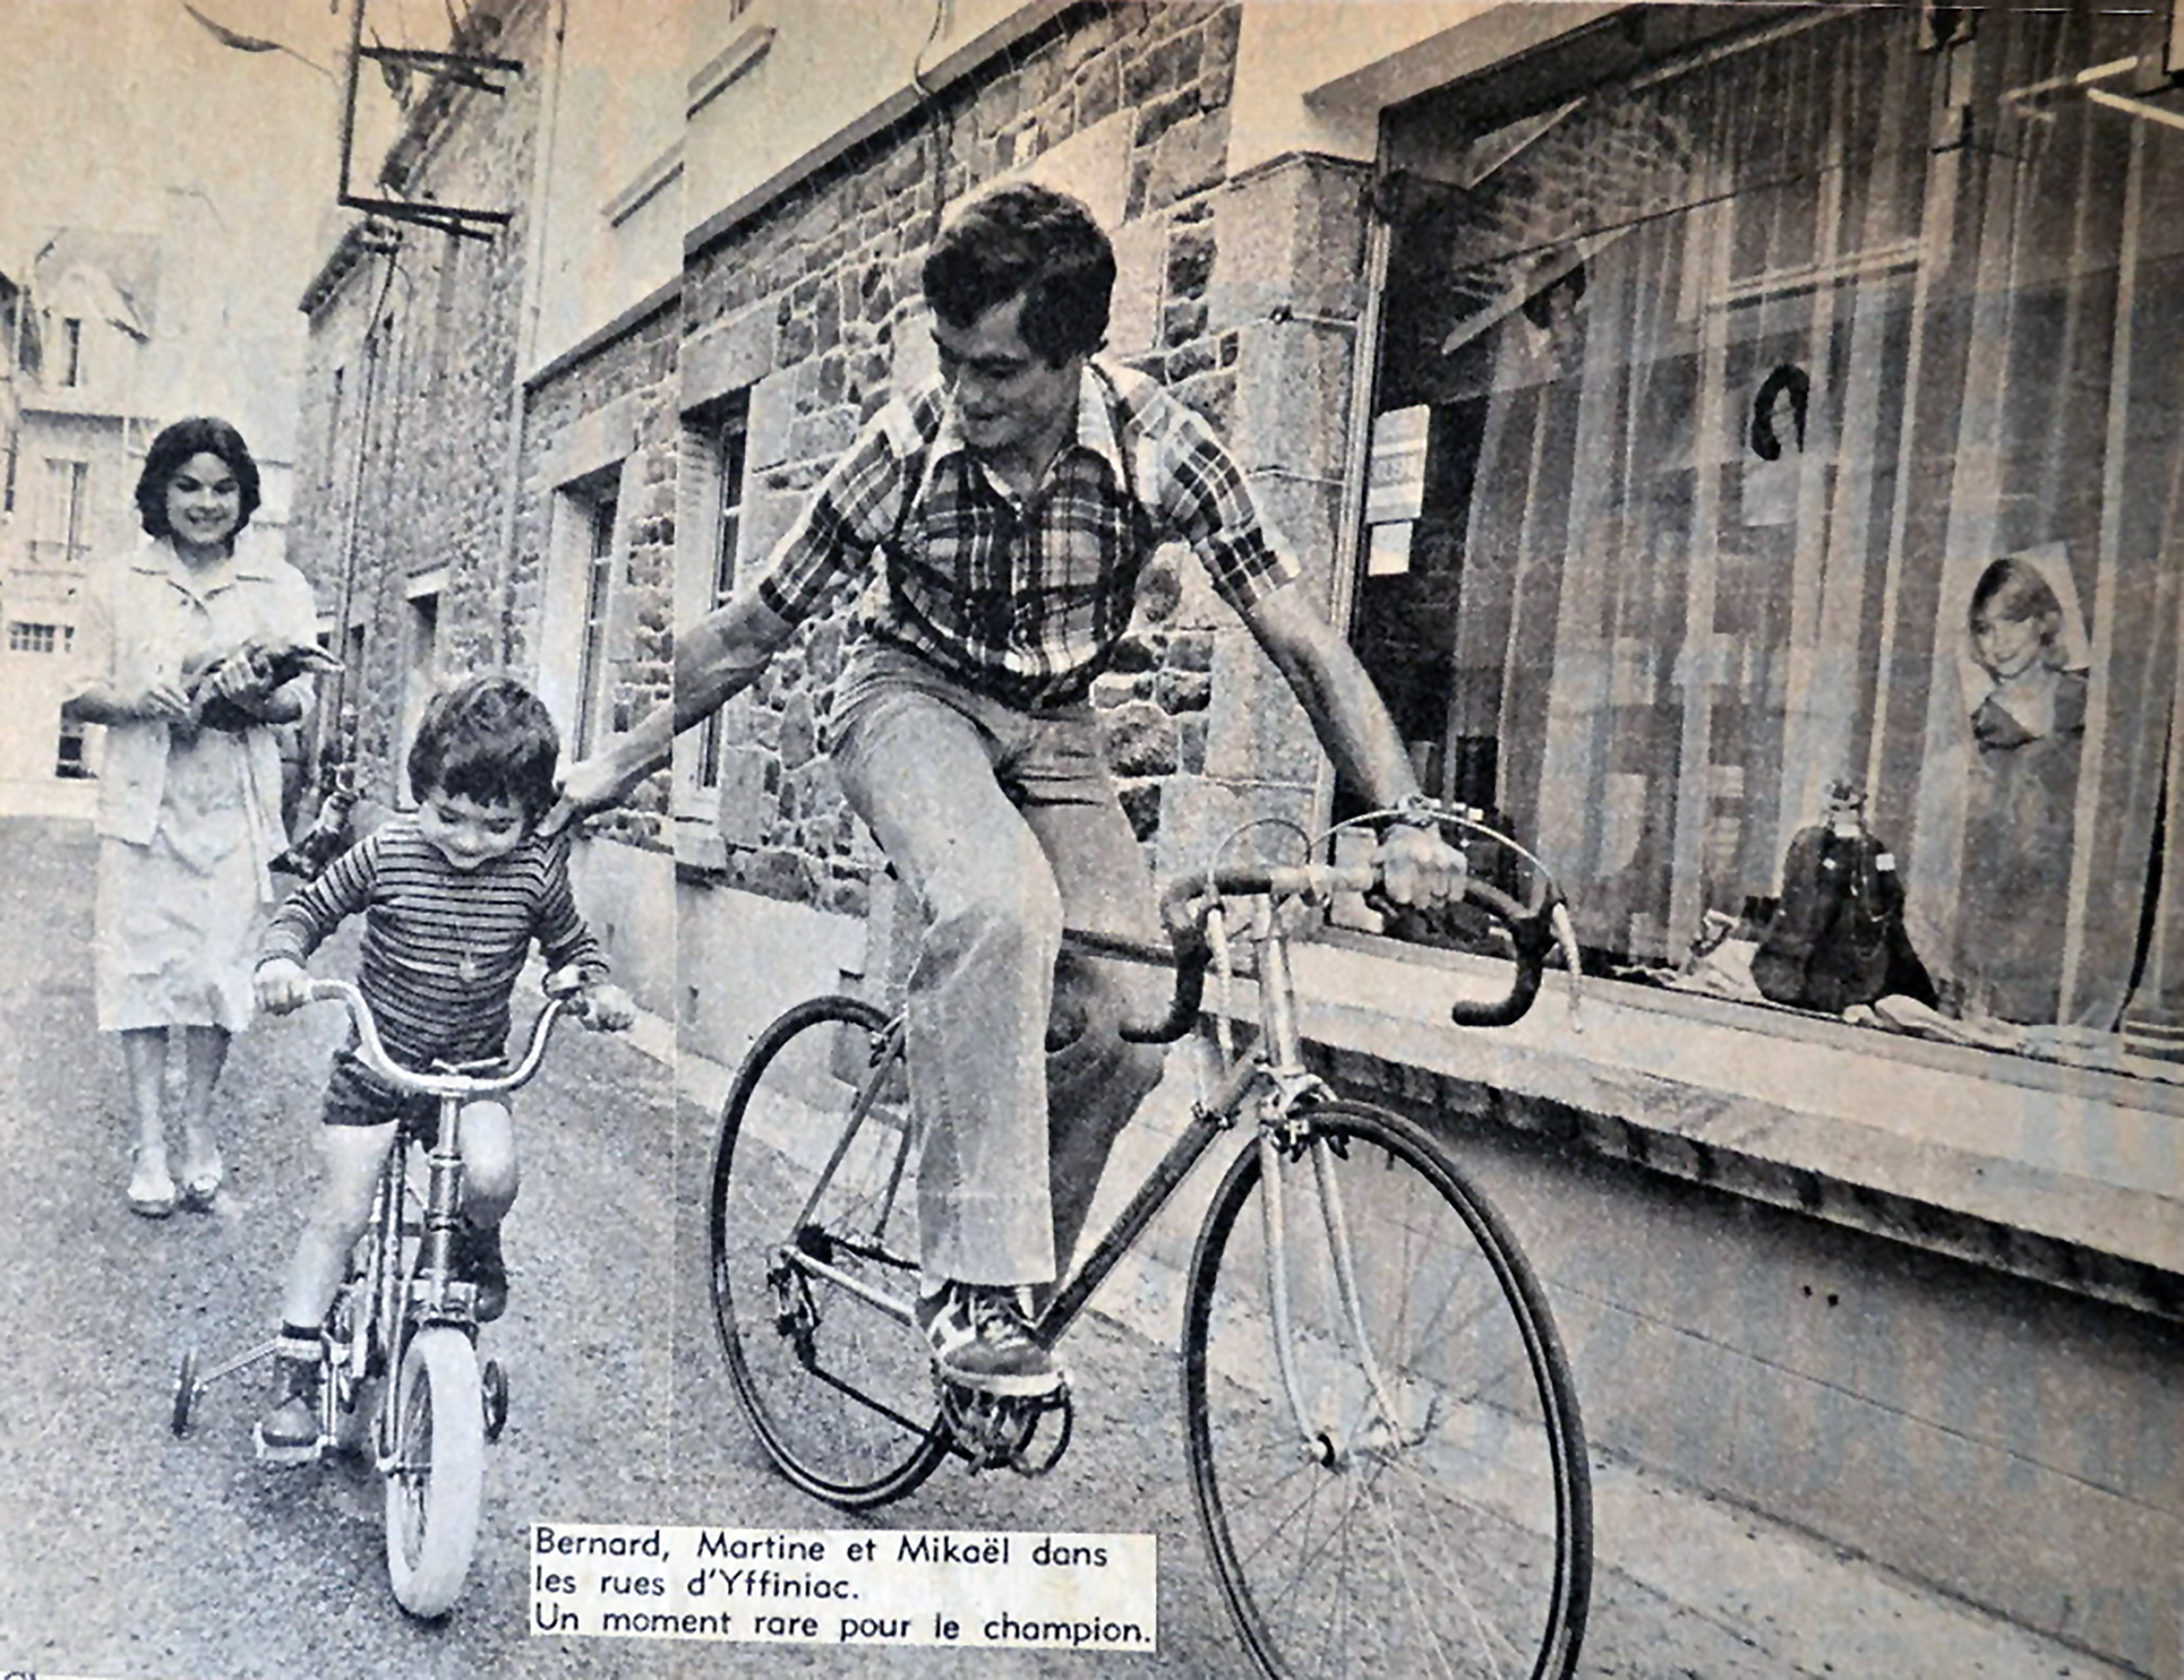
[1007,824]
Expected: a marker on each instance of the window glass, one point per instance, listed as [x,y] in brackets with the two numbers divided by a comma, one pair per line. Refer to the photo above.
[726,445]
[594,675]
[1710,399]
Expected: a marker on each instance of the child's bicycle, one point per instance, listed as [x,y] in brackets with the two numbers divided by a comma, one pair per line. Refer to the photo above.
[1383,1438]
[402,1312]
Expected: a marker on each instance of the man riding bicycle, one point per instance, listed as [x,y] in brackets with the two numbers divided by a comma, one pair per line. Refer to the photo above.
[1000,518]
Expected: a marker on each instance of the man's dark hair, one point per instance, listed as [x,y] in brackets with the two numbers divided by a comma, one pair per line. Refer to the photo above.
[1028,239]
[200,435]
[490,739]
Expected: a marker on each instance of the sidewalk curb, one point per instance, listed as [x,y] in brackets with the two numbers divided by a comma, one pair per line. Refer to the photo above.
[1770,1586]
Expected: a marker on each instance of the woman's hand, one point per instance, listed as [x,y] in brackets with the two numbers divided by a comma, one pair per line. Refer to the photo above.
[162,702]
[244,678]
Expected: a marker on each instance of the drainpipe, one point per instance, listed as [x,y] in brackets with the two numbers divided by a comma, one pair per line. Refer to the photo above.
[527,314]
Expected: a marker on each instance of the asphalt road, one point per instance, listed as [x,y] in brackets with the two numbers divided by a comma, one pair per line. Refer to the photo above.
[126,1554]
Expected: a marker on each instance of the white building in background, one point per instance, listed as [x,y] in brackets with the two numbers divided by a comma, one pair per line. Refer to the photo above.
[109,336]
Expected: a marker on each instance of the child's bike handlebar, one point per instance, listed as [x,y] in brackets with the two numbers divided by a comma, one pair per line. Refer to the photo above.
[448,1081]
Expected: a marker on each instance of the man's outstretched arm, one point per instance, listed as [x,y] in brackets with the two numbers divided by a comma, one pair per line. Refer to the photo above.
[716,659]
[1353,724]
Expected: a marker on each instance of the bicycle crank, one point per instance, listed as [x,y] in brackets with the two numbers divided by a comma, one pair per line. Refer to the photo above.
[997,1432]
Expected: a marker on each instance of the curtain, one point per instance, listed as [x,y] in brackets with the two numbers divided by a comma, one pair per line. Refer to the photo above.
[1741,374]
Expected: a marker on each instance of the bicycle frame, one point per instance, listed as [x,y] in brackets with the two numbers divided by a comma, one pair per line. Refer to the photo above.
[1276,1070]
[396,1302]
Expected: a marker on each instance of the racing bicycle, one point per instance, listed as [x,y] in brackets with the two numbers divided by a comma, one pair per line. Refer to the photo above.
[1384,1441]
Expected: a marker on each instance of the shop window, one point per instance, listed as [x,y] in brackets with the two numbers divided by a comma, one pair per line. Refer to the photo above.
[1709,397]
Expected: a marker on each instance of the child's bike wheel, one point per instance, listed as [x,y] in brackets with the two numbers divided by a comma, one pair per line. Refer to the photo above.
[187,1387]
[437,1477]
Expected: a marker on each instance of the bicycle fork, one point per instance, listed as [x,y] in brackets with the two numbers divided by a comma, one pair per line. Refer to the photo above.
[1283,1137]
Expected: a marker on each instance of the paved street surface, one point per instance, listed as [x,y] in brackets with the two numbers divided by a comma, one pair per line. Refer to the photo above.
[125,1552]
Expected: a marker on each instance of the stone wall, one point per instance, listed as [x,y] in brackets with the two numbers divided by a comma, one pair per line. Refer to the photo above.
[408,406]
[1243,297]
[1245,302]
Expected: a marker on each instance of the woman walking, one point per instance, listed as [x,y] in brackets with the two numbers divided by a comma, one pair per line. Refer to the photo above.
[190,649]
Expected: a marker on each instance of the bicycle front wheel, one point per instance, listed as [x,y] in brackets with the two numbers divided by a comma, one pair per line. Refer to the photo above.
[437,1478]
[814,1257]
[1397,1486]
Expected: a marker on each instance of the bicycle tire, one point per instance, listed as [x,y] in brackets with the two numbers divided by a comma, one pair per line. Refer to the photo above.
[436,1481]
[1462,1546]
[839,1393]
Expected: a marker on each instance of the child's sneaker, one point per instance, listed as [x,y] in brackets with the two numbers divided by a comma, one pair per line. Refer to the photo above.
[289,1433]
[982,1340]
[478,1262]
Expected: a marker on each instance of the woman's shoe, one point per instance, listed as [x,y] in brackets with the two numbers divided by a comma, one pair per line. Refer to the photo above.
[202,1174]
[150,1190]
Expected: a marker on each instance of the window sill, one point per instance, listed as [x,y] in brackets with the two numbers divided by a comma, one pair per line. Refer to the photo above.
[2073,1176]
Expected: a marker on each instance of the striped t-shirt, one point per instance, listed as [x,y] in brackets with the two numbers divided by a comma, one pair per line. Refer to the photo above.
[442,947]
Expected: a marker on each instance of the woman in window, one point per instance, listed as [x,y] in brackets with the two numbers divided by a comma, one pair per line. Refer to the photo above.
[2028,728]
[191,651]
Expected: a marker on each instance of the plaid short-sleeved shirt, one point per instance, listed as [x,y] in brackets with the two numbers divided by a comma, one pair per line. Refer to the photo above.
[1024,600]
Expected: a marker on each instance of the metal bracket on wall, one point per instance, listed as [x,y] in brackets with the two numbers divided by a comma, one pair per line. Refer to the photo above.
[480,72]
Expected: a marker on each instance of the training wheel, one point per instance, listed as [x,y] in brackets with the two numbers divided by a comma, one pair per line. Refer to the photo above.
[492,1397]
[186,1389]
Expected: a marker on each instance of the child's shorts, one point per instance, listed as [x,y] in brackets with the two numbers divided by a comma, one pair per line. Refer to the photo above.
[356,1097]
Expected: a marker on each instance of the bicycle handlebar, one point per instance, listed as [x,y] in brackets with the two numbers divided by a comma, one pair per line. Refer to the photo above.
[1535,930]
[372,1050]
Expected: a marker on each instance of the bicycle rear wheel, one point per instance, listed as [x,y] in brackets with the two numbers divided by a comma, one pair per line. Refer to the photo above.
[1453,1537]
[815,1170]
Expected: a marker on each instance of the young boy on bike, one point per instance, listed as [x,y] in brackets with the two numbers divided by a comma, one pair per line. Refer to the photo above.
[452,895]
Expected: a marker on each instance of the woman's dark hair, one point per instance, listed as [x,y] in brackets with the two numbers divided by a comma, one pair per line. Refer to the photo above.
[490,739]
[1028,239]
[201,434]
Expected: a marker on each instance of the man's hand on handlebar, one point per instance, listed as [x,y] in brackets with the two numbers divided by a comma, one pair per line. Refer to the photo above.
[1419,869]
[282,986]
